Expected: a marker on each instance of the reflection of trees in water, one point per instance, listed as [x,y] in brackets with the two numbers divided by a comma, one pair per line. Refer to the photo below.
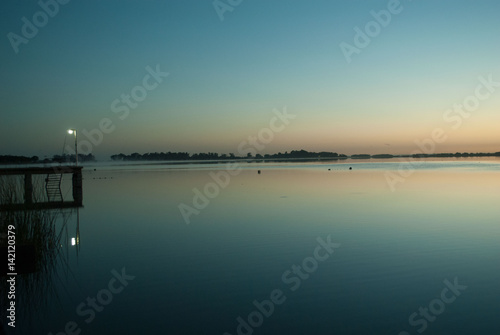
[45,232]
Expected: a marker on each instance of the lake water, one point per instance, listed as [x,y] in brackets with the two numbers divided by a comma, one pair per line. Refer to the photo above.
[296,249]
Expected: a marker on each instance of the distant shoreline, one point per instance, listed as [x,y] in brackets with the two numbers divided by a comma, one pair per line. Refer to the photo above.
[183,158]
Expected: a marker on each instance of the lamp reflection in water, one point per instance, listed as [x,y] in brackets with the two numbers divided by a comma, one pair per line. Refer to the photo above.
[75,241]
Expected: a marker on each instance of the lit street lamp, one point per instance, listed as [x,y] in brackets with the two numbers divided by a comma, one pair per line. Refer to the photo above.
[71,132]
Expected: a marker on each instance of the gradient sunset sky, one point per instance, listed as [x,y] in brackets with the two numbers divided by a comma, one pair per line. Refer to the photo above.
[226,76]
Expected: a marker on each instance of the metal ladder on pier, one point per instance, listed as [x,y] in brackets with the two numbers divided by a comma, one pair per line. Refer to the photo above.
[53,187]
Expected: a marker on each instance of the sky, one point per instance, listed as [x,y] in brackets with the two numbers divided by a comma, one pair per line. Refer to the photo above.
[357,76]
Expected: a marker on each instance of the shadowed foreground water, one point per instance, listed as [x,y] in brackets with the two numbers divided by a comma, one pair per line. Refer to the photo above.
[297,249]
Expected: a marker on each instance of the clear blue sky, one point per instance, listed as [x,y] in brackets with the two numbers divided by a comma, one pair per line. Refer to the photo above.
[226,77]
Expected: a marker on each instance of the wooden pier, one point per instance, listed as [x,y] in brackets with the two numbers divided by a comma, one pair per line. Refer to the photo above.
[54,200]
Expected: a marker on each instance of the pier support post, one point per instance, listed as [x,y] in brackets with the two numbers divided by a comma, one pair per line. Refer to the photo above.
[77,187]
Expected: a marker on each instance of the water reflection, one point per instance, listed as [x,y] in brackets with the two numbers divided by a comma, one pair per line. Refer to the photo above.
[397,248]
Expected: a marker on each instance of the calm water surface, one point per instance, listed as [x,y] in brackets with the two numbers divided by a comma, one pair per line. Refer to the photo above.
[421,258]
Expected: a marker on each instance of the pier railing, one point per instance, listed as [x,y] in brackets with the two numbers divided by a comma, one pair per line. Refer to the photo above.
[29,203]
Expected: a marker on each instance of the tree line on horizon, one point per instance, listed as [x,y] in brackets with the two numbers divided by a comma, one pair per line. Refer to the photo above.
[215,156]
[294,154]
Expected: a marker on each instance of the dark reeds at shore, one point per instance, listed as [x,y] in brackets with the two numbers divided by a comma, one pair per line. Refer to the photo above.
[39,248]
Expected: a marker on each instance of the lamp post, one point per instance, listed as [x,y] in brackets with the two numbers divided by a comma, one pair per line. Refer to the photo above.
[71,132]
